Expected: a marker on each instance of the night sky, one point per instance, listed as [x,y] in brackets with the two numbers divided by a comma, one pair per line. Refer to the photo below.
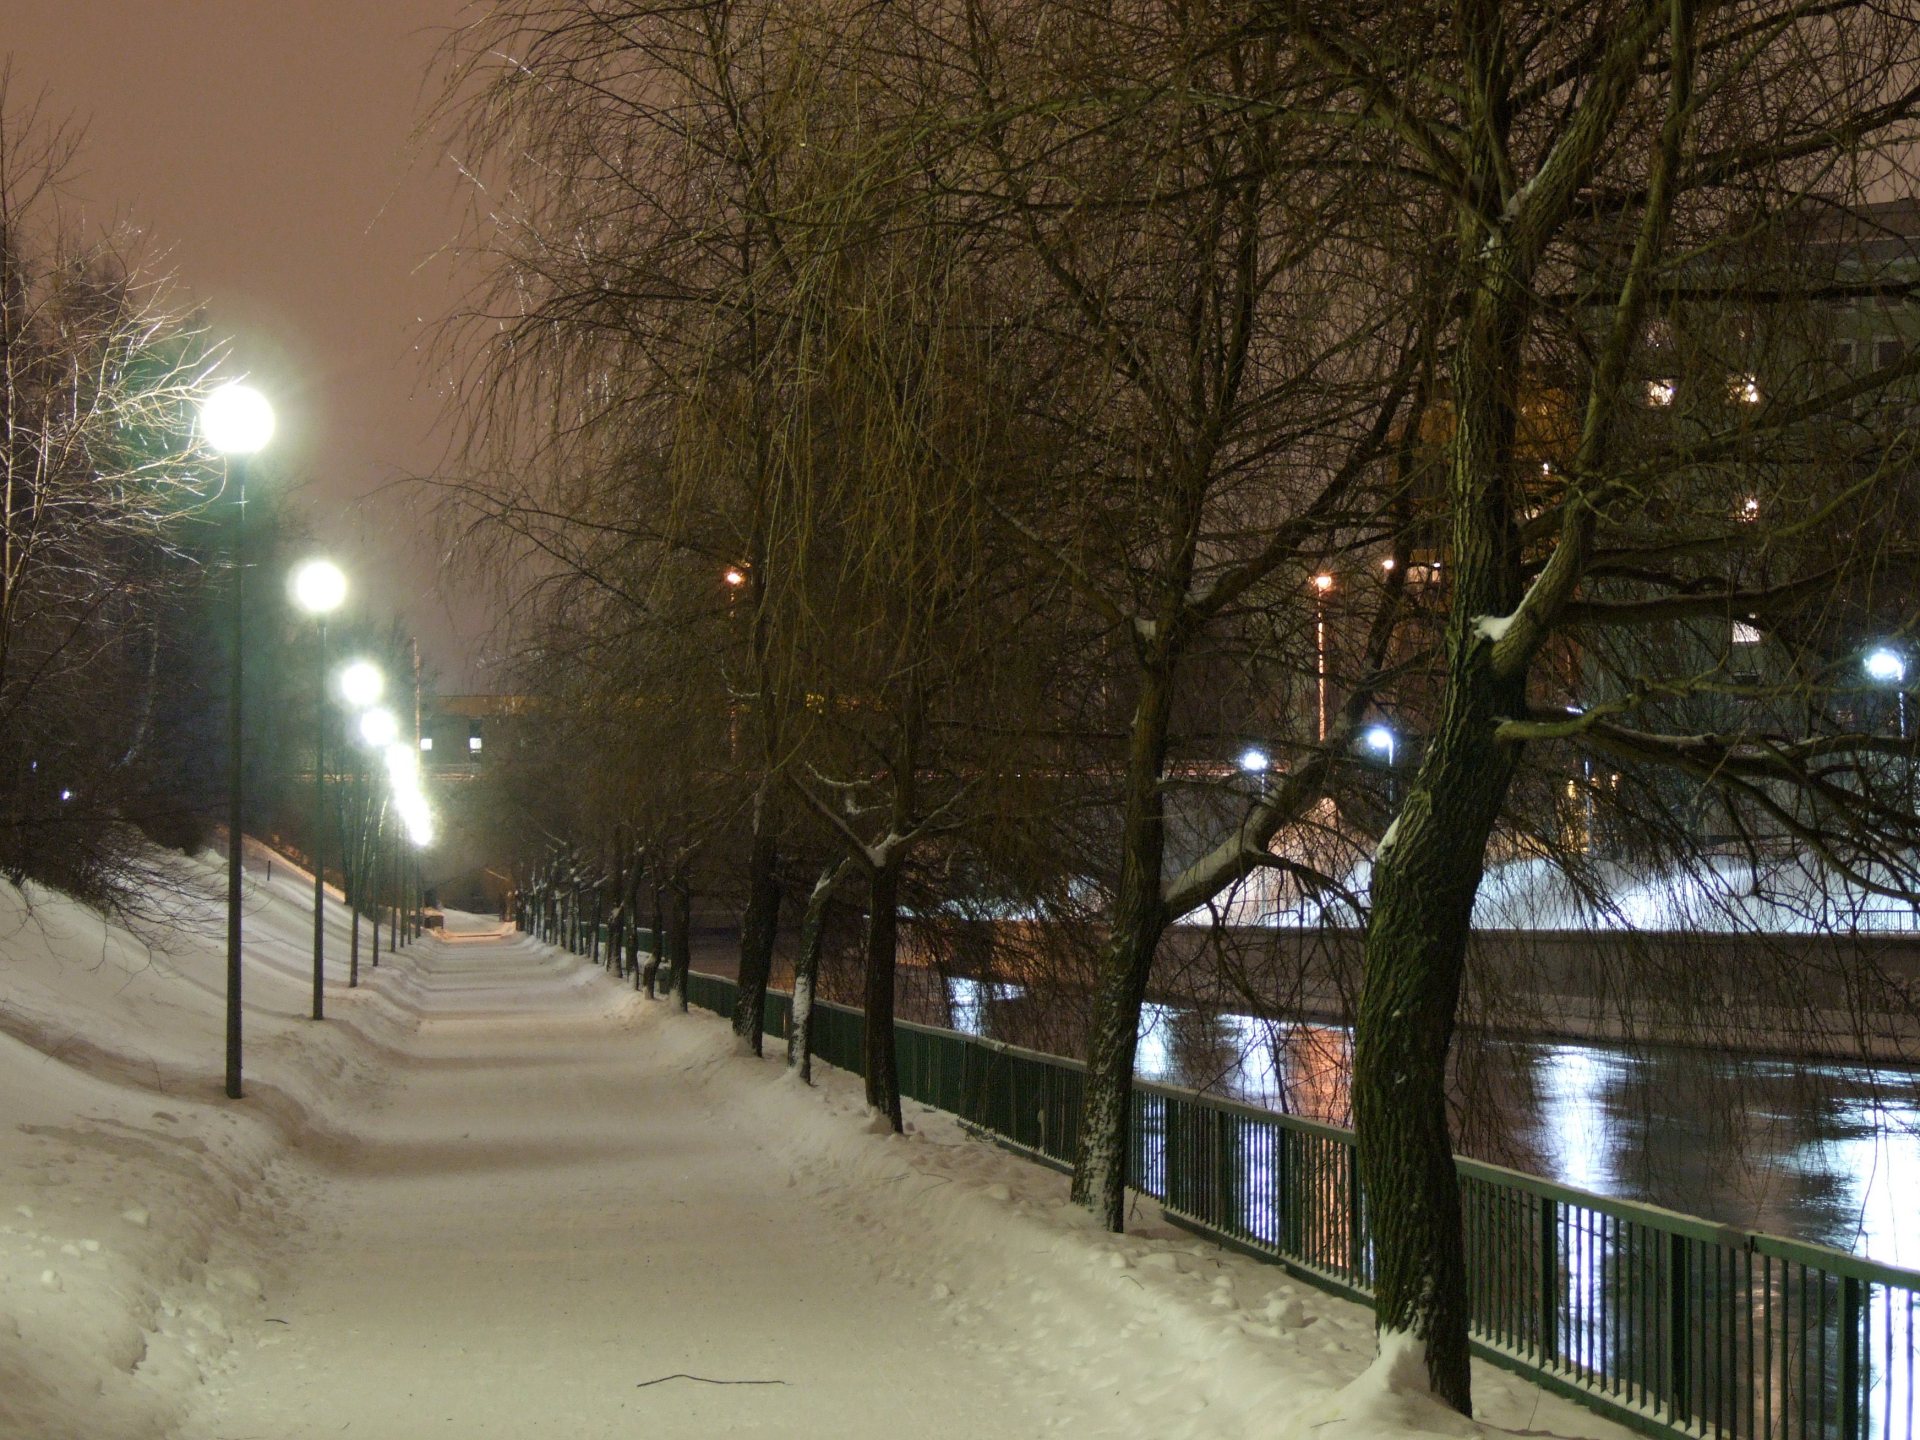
[265,150]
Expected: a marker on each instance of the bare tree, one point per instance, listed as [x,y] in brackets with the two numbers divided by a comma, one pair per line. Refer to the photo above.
[1635,196]
[99,558]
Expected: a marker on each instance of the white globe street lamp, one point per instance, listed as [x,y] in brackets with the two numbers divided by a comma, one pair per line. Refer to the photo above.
[378,729]
[1255,761]
[319,587]
[235,421]
[362,684]
[1382,740]
[1886,666]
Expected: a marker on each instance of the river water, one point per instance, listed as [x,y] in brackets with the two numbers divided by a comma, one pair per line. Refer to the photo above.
[1816,1151]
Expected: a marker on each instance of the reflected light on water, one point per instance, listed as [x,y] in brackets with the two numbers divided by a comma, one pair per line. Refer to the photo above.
[967,1002]
[1876,1164]
[1153,1060]
[1572,1130]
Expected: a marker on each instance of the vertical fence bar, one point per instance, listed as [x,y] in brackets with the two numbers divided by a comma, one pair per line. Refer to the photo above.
[1679,1328]
[1356,1242]
[1852,1306]
[1226,1211]
[1546,1343]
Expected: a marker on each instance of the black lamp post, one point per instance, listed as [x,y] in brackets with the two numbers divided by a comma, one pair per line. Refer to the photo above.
[318,588]
[236,421]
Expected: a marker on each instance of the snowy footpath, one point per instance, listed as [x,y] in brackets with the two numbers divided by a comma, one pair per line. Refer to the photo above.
[497,1194]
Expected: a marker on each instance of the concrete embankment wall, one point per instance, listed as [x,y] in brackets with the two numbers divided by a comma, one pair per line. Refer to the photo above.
[1807,995]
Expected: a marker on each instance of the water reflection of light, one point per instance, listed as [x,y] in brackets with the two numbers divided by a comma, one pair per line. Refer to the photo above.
[1573,1118]
[1876,1162]
[1153,1059]
[1255,1077]
[967,1001]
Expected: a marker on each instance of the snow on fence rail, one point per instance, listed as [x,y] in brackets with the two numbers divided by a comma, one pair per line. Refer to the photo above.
[1669,1323]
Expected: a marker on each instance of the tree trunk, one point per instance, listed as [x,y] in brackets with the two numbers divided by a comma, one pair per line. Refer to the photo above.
[680,919]
[877,1041]
[1120,984]
[630,907]
[373,907]
[758,924]
[1424,882]
[1427,871]
[659,946]
[806,970]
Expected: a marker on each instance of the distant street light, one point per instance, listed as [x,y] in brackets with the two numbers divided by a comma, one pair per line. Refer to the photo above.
[1255,761]
[1381,739]
[1887,666]
[362,684]
[235,421]
[378,731]
[319,587]
[410,804]
[378,728]
[1322,584]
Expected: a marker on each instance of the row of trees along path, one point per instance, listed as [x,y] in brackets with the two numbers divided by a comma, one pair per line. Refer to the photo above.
[1021,365]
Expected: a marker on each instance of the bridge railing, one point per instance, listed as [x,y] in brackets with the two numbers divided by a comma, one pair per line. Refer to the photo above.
[1669,1323]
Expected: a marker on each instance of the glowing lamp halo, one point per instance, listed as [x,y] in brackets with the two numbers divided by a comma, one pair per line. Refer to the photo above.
[379,729]
[319,587]
[361,684]
[236,419]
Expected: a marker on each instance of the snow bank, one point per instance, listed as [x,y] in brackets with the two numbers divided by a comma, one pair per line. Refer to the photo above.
[136,1201]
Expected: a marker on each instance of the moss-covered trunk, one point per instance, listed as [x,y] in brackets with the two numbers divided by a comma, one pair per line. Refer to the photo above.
[1428,867]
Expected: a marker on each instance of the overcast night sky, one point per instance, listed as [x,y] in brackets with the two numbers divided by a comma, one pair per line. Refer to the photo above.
[264,148]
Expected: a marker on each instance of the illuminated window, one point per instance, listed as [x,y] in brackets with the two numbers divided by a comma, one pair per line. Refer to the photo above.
[1660,393]
[426,742]
[1749,509]
[1745,634]
[473,744]
[1743,389]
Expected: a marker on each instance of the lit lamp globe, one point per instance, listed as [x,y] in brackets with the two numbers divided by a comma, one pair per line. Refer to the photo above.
[378,729]
[319,587]
[236,420]
[1886,666]
[361,684]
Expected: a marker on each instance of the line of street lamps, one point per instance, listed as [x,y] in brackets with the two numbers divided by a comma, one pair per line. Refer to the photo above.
[236,422]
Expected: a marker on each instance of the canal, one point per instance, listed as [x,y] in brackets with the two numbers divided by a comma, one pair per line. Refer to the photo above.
[1817,1151]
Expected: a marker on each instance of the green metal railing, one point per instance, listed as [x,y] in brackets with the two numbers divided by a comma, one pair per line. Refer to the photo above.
[1669,1323]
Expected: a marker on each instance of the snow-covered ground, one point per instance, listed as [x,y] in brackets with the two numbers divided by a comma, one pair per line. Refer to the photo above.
[496,1194]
